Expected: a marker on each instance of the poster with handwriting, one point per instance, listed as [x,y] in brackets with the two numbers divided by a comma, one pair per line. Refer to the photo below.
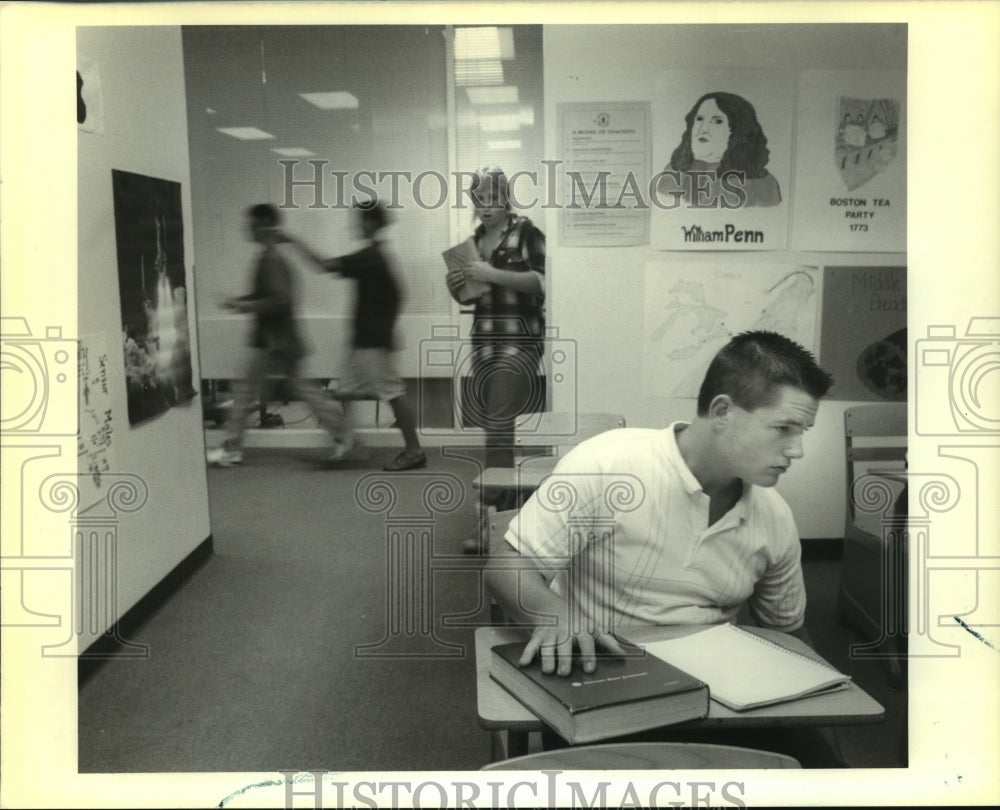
[95,439]
[863,340]
[721,160]
[850,159]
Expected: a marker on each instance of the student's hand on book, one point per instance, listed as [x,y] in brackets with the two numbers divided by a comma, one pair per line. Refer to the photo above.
[479,271]
[455,279]
[554,649]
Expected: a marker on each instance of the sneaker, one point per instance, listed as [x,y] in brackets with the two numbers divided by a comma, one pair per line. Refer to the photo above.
[407,460]
[224,457]
[342,448]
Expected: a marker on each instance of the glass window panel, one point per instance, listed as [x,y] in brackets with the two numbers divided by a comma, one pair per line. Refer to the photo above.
[498,108]
[362,101]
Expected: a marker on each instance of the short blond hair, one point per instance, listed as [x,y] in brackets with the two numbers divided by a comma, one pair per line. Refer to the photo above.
[493,179]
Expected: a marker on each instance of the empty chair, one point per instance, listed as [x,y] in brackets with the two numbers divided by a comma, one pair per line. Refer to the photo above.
[872,594]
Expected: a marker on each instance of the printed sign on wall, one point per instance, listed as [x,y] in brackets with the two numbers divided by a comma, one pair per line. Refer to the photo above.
[850,177]
[721,160]
[604,162]
[863,342]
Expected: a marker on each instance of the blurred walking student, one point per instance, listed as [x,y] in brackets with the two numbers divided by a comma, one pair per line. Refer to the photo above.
[276,345]
[370,371]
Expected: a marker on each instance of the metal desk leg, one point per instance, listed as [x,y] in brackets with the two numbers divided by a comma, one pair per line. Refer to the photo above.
[508,744]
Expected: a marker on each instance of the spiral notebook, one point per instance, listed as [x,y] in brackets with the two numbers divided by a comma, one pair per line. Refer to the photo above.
[745,671]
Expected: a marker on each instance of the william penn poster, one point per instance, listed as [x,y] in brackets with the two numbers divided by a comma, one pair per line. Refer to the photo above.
[850,179]
[721,160]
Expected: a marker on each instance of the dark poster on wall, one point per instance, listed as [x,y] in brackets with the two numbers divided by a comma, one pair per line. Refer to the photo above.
[149,232]
[863,333]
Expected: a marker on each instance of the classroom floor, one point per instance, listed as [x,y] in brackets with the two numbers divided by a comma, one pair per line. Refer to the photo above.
[278,652]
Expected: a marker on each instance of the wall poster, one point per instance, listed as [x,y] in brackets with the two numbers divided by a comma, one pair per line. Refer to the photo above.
[863,341]
[604,161]
[694,308]
[850,178]
[149,232]
[721,160]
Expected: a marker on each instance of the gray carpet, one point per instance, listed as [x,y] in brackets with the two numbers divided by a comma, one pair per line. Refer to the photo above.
[257,664]
[878,746]
[253,663]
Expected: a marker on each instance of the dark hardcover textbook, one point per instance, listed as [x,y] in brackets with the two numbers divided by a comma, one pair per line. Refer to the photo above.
[623,695]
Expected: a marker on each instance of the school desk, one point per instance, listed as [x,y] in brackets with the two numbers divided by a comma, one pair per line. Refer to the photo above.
[510,722]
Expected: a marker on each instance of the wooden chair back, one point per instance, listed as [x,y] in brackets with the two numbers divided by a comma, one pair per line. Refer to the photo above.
[872,594]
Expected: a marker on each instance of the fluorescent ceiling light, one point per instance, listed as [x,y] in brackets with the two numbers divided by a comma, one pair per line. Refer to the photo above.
[484,42]
[293,151]
[511,144]
[478,72]
[334,100]
[499,123]
[246,133]
[506,43]
[498,119]
[504,94]
[507,122]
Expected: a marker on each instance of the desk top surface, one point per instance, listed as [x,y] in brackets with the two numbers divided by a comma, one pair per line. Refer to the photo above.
[527,474]
[498,709]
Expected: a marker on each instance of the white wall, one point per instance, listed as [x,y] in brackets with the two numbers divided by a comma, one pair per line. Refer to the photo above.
[596,294]
[145,131]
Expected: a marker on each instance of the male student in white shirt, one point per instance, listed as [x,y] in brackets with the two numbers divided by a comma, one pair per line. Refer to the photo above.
[698,530]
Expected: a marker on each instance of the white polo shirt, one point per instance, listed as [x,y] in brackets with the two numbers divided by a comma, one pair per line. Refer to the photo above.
[626,510]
